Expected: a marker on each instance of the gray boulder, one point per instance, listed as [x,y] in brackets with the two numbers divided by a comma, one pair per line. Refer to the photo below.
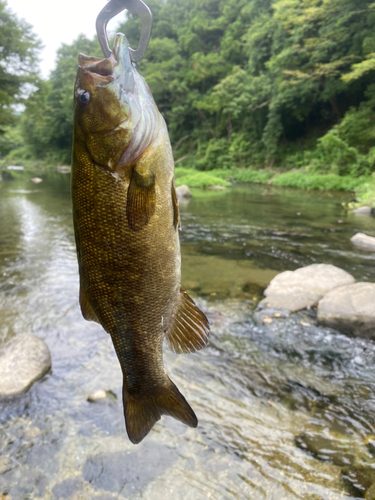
[364,241]
[23,360]
[183,192]
[362,211]
[304,287]
[350,309]
[63,169]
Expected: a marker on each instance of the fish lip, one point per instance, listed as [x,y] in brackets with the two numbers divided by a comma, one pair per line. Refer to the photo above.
[109,69]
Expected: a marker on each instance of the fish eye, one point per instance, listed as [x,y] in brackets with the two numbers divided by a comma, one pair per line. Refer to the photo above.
[83,98]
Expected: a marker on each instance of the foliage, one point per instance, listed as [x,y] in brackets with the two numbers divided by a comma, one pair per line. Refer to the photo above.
[47,122]
[18,70]
[308,181]
[254,176]
[365,194]
[201,179]
[254,84]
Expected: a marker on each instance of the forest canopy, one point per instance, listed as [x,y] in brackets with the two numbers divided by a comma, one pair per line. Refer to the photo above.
[246,83]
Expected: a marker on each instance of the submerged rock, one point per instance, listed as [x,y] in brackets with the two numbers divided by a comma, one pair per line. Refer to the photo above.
[63,169]
[364,241]
[331,447]
[183,192]
[304,287]
[361,477]
[36,180]
[23,360]
[101,396]
[350,309]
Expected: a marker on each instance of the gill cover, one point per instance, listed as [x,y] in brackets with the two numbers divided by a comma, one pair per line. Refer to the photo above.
[115,109]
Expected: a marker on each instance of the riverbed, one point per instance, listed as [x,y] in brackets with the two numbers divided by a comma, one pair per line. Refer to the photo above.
[285,408]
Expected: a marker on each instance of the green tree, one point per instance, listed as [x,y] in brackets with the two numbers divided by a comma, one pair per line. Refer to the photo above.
[47,122]
[18,67]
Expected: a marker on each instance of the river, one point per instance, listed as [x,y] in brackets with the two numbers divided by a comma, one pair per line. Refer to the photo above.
[285,408]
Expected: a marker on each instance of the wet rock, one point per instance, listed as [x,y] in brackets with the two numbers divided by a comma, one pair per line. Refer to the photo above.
[101,396]
[350,309]
[332,447]
[183,192]
[36,180]
[63,169]
[362,211]
[370,493]
[23,360]
[364,241]
[362,478]
[304,287]
[4,464]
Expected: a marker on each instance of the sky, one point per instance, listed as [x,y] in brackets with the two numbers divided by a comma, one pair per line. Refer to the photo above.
[57,22]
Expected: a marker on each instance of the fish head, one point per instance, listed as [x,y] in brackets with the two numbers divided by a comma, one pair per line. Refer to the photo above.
[115,114]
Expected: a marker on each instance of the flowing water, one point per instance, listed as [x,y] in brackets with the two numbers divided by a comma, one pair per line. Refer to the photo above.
[285,408]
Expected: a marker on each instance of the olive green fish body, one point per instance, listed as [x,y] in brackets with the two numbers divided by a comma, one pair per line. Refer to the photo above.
[126,227]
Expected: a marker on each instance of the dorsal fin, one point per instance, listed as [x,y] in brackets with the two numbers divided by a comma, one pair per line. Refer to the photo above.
[87,310]
[189,327]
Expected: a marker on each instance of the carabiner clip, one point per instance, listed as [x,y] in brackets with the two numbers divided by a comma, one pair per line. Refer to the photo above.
[111,10]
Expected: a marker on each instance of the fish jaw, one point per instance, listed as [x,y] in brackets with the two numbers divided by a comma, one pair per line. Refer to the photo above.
[114,109]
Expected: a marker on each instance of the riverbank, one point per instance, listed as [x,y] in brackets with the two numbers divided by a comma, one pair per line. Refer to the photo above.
[364,186]
[301,179]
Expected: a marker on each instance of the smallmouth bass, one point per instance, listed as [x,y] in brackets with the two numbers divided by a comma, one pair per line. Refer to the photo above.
[126,221]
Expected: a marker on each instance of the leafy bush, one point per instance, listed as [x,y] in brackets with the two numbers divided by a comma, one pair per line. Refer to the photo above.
[304,180]
[249,175]
[217,156]
[200,180]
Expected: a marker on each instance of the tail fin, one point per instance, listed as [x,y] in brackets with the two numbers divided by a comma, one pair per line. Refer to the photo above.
[142,413]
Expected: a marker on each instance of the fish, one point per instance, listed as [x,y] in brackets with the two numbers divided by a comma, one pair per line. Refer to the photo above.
[126,223]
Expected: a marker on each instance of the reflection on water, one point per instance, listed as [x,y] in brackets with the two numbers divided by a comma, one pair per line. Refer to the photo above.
[285,408]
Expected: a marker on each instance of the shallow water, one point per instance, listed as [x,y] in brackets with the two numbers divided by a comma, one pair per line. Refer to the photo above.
[286,409]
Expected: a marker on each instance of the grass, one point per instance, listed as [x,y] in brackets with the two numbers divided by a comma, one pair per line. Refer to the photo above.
[365,194]
[307,181]
[297,179]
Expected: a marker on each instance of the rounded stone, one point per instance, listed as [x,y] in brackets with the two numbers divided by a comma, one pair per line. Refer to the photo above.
[362,211]
[183,192]
[101,395]
[364,241]
[304,287]
[23,360]
[349,309]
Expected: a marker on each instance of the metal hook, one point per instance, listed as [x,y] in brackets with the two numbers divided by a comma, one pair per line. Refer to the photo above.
[111,10]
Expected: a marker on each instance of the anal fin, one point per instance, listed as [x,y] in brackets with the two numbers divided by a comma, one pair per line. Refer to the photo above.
[189,327]
[141,200]
[87,310]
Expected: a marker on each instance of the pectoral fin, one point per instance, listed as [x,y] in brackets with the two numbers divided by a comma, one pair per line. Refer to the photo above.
[87,311]
[188,331]
[176,215]
[140,206]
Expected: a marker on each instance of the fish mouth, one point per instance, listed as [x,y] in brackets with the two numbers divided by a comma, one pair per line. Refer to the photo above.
[119,75]
[118,67]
